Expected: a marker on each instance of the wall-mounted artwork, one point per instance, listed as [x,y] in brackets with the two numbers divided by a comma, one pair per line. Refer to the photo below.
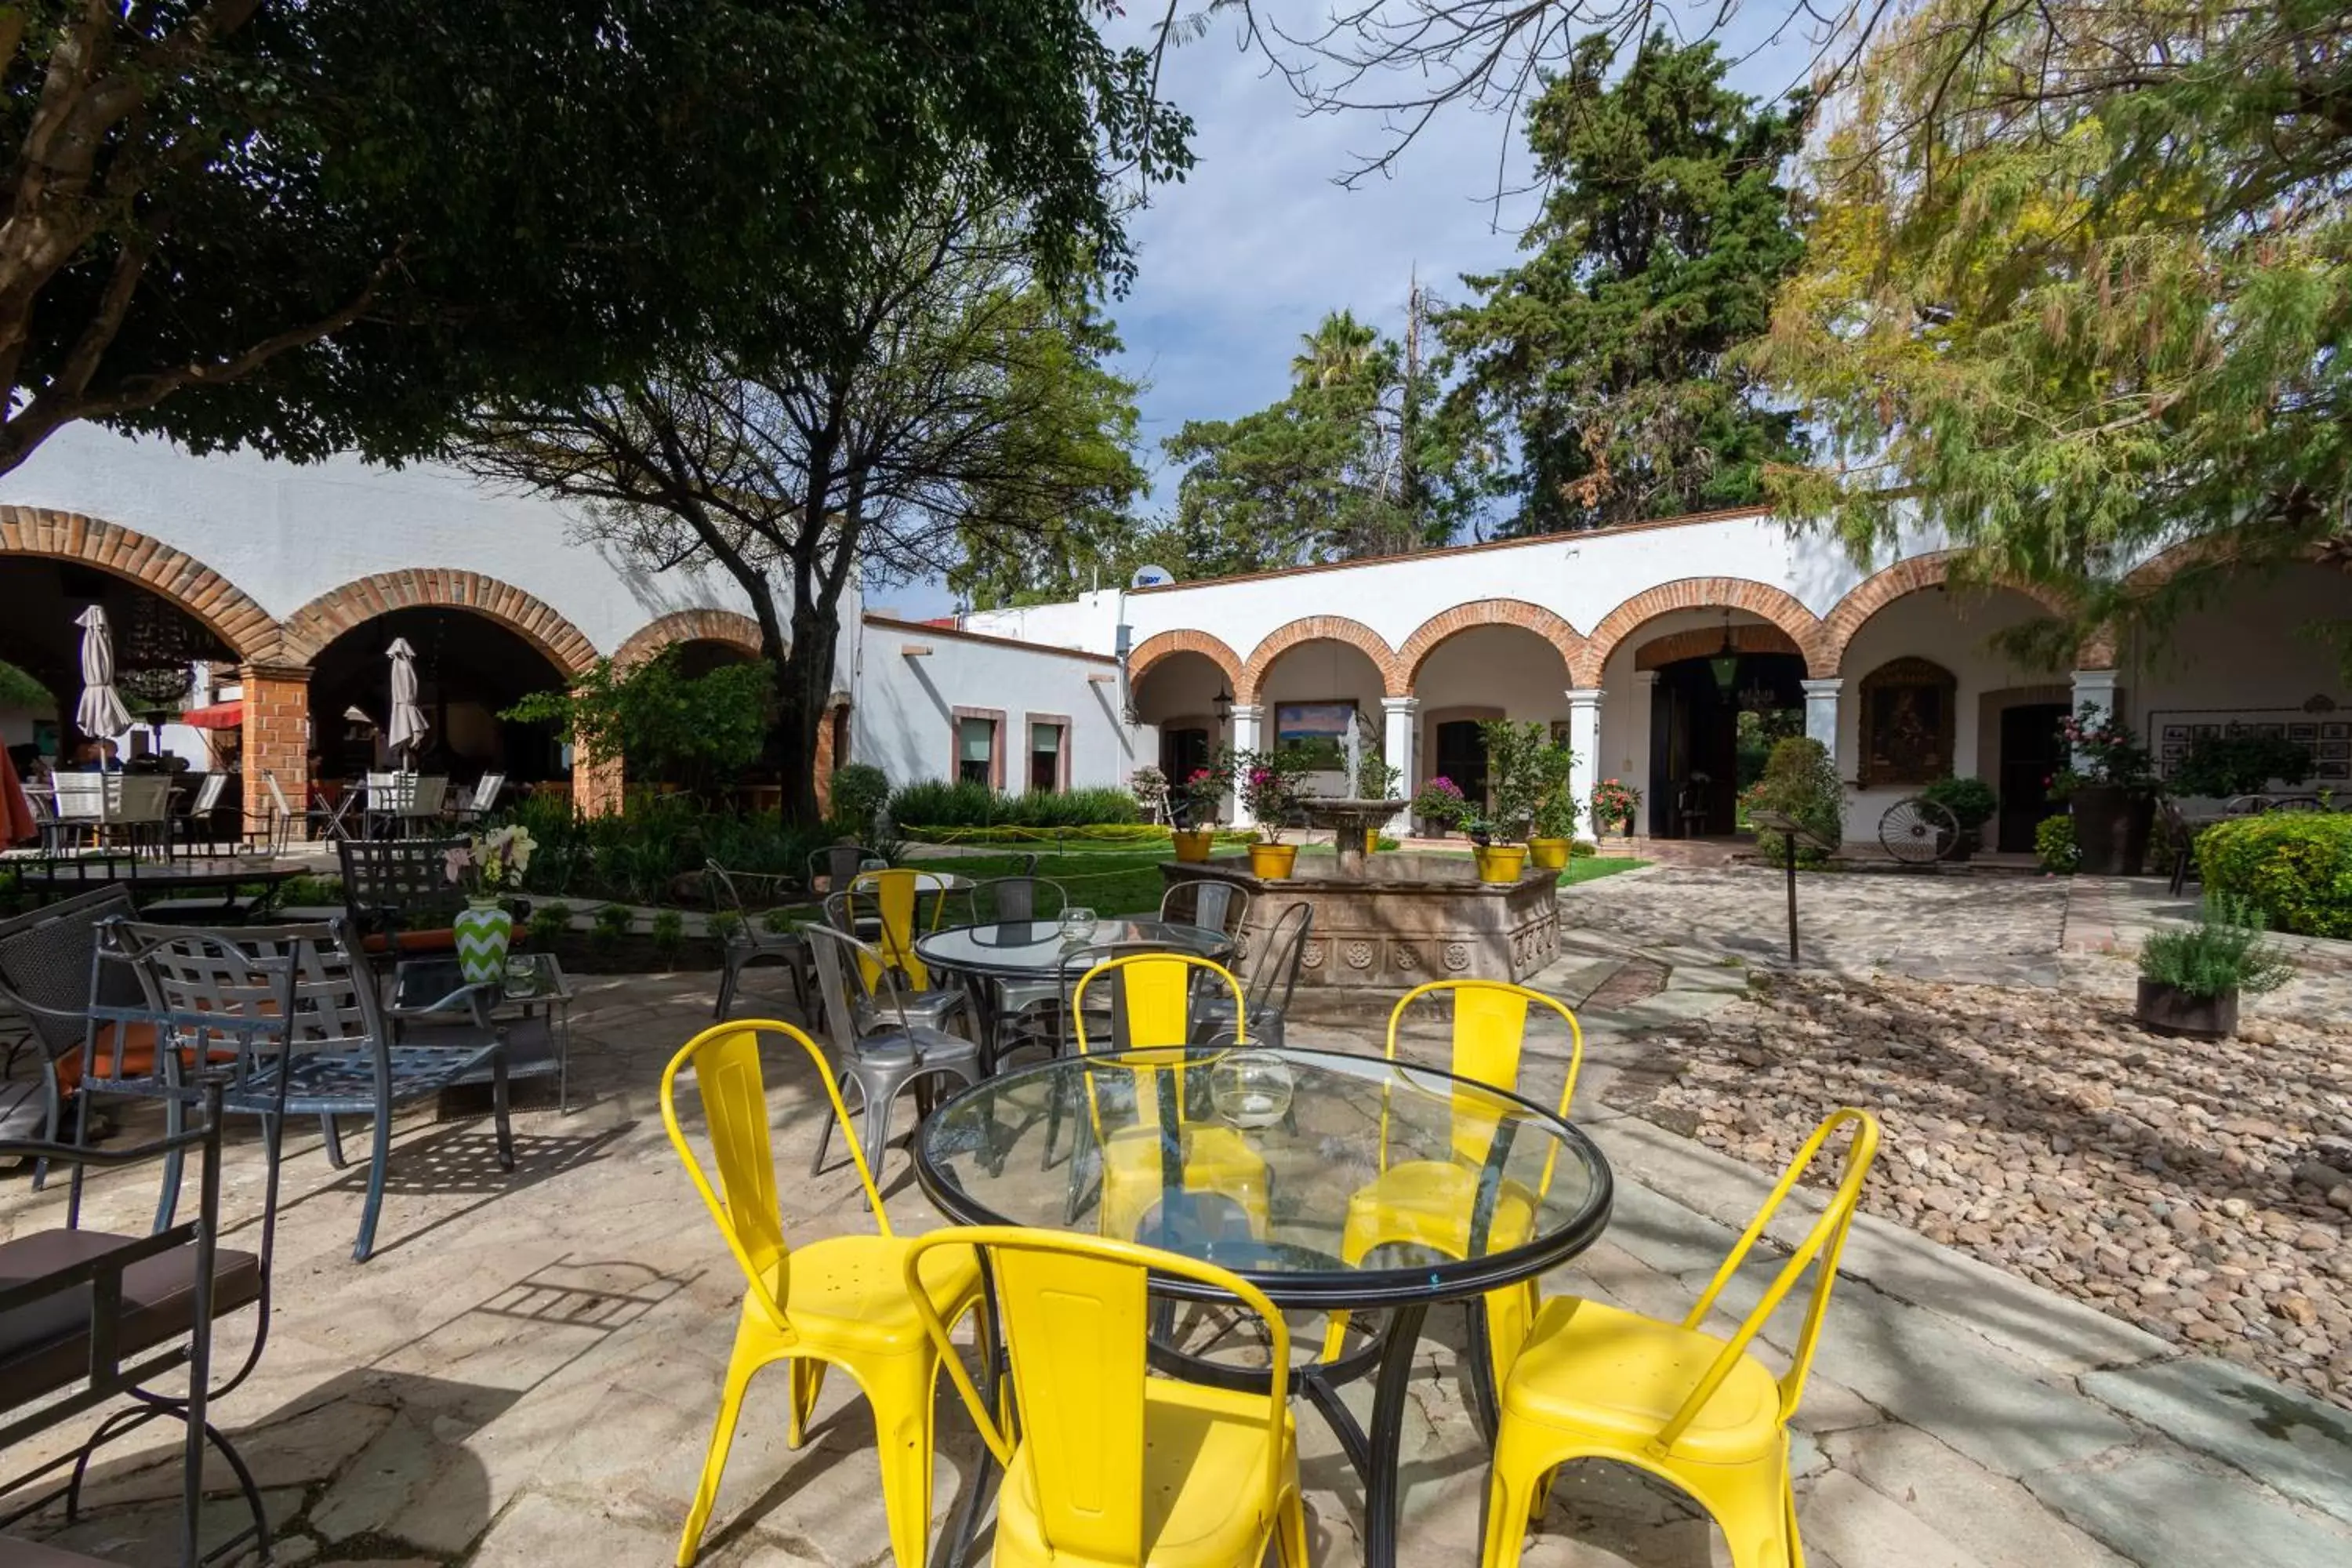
[1318,729]
[2172,733]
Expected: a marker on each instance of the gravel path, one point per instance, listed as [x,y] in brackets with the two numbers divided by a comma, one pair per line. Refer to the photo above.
[2203,1191]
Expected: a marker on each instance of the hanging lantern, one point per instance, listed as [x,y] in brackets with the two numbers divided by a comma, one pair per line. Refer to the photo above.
[1726,663]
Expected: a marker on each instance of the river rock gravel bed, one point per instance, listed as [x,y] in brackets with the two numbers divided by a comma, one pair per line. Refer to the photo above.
[2202,1191]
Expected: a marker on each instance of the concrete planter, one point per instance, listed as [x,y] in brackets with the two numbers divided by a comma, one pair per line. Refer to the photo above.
[2171,1011]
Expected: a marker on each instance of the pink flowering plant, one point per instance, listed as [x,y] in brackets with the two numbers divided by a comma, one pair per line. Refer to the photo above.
[2107,751]
[1270,784]
[1441,803]
[490,863]
[1200,794]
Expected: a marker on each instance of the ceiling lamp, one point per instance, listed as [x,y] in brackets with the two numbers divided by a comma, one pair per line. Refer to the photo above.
[1726,663]
[1224,703]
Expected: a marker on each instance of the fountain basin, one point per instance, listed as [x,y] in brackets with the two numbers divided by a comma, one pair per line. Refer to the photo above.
[1401,919]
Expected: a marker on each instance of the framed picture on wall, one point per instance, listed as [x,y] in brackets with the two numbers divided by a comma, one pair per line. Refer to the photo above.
[2304,732]
[1318,729]
[2336,729]
[2334,768]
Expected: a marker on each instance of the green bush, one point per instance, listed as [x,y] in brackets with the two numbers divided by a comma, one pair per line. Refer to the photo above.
[549,922]
[1969,800]
[2222,765]
[859,790]
[937,804]
[1801,781]
[2223,952]
[670,933]
[639,852]
[725,924]
[2054,846]
[306,892]
[612,922]
[1137,834]
[2296,866]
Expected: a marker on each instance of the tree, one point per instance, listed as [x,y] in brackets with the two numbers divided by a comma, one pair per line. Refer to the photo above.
[864,433]
[342,222]
[1667,227]
[2078,291]
[698,732]
[1349,464]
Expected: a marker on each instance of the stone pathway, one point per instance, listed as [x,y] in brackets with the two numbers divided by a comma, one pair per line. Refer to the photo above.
[525,1373]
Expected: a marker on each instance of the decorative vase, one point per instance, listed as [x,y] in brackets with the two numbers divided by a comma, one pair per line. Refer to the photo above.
[2168,1010]
[1549,854]
[1193,844]
[484,931]
[1272,862]
[1501,862]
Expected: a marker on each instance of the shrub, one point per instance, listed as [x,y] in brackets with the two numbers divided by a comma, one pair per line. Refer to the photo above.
[725,924]
[937,804]
[2224,765]
[1383,841]
[1969,800]
[2054,848]
[859,790]
[695,730]
[549,922]
[612,922]
[639,852]
[2223,952]
[2294,867]
[1801,781]
[1441,802]
[306,892]
[670,933]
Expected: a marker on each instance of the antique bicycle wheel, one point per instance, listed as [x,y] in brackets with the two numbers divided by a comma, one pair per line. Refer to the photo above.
[1917,832]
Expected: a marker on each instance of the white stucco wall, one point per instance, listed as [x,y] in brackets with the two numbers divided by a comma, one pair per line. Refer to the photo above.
[903,718]
[286,533]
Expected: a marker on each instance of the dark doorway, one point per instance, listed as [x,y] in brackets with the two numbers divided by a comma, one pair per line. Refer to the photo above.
[2031,748]
[1462,757]
[1183,754]
[1694,737]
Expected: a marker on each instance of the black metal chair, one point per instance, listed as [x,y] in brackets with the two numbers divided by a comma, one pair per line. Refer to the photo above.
[89,1318]
[882,1062]
[46,961]
[1273,977]
[750,942]
[832,869]
[216,996]
[398,894]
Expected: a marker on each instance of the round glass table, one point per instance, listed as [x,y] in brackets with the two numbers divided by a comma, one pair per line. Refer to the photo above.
[1276,1164]
[1035,950]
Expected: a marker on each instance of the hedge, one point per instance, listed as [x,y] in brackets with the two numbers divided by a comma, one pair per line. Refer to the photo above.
[2293,866]
[937,804]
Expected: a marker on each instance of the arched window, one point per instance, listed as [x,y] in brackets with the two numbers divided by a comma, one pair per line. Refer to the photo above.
[1906,722]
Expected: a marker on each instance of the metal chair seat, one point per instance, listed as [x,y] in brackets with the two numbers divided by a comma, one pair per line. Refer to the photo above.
[883,1063]
[928,1009]
[320,1084]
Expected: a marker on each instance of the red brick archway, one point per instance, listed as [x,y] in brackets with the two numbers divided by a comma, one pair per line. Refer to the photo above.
[1319,628]
[1774,605]
[221,607]
[310,629]
[1547,624]
[737,630]
[1705,642]
[1163,645]
[1910,575]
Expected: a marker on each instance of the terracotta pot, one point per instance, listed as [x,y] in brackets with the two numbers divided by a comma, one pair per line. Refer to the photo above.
[2170,1011]
[1549,854]
[1193,844]
[1501,863]
[1272,862]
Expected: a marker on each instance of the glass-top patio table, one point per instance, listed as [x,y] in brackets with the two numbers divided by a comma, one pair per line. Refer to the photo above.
[1251,1158]
[1036,950]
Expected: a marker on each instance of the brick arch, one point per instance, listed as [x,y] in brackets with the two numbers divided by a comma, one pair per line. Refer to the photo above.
[733,628]
[1705,642]
[1163,645]
[1911,575]
[310,629]
[228,611]
[1547,624]
[1774,605]
[1320,628]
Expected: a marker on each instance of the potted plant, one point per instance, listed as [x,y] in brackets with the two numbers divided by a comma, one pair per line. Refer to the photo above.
[2190,978]
[1376,780]
[2221,767]
[486,865]
[1196,800]
[1971,803]
[1269,783]
[2110,792]
[1514,784]
[1614,803]
[1149,787]
[1440,806]
[1554,828]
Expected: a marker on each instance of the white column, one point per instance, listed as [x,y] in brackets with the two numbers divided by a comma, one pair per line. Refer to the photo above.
[1245,723]
[1635,769]
[1399,728]
[2096,686]
[1822,713]
[1584,740]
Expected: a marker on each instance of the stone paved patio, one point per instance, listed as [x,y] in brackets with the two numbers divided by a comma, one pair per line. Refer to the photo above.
[526,1373]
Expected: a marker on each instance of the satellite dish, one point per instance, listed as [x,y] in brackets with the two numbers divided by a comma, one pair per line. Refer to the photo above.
[1151,577]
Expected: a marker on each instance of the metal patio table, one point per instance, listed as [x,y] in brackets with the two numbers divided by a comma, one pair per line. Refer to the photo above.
[985,956]
[50,878]
[531,1003]
[1325,1124]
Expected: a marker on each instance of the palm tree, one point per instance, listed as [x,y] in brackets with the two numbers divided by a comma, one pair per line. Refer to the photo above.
[1337,350]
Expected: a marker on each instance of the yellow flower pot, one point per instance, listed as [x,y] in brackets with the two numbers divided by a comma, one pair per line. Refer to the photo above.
[1502,862]
[1193,844]
[1272,862]
[1549,854]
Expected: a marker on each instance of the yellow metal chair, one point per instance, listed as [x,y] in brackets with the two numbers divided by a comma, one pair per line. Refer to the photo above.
[1430,1202]
[1593,1382]
[1113,1468]
[1152,1013]
[895,894]
[842,1301]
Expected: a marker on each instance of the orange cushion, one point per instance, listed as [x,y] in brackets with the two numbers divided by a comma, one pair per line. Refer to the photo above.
[137,1060]
[439,939]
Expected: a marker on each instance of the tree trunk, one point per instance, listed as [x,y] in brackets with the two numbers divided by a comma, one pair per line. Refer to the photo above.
[804,689]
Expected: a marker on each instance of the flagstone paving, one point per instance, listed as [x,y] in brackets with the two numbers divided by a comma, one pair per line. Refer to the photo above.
[526,1373]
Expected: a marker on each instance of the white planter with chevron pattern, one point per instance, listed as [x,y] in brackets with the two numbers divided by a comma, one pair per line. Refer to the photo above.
[484,931]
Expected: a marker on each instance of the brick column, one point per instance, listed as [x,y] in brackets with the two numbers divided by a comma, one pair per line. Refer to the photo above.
[597,784]
[277,704]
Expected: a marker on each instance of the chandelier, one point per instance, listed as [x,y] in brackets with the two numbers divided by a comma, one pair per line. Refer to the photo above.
[155,687]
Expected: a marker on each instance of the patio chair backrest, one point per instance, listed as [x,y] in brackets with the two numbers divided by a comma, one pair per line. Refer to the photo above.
[486,791]
[842,964]
[48,967]
[232,995]
[431,792]
[208,795]
[406,878]
[1205,903]
[277,795]
[838,864]
[137,797]
[1003,900]
[1276,977]
[81,797]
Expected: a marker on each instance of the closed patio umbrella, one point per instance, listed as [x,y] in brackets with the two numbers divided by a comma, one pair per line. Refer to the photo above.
[100,711]
[406,734]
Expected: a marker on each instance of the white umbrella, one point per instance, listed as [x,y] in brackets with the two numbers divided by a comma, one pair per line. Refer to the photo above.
[407,731]
[100,711]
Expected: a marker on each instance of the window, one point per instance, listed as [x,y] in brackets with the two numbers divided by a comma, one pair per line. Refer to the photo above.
[1045,742]
[1906,722]
[976,751]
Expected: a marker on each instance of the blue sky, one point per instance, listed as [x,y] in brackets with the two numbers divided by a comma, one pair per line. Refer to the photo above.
[1259,241]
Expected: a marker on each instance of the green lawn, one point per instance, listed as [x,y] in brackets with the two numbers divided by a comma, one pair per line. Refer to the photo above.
[1114,880]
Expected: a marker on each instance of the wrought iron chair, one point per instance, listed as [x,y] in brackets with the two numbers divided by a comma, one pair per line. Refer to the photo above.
[881,1062]
[1273,978]
[752,943]
[398,895]
[89,1318]
[218,999]
[46,960]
